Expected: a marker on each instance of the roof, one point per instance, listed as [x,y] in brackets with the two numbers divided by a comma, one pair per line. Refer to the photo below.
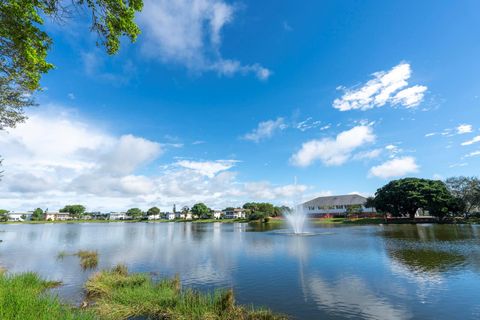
[348,199]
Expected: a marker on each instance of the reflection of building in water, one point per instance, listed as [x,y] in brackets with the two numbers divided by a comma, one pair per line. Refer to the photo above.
[336,205]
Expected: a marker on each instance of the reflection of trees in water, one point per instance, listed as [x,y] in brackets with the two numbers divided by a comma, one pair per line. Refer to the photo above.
[424,260]
[427,254]
[260,227]
[430,232]
[433,248]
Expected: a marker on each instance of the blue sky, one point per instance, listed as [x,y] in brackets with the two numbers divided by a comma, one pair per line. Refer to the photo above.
[225,102]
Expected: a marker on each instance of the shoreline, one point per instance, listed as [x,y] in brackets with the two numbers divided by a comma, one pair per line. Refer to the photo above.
[272,221]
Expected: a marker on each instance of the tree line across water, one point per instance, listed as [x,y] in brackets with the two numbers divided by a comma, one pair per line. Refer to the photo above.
[454,197]
[253,211]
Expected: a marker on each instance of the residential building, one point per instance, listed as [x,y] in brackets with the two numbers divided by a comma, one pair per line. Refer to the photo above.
[179,215]
[154,217]
[55,216]
[236,213]
[19,216]
[118,216]
[217,214]
[169,215]
[330,206]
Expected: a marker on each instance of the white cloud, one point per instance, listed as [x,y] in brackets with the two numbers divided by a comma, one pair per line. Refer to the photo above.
[395,168]
[264,190]
[471,141]
[473,154]
[385,87]
[464,128]
[371,154]
[410,97]
[307,124]
[266,130]
[207,168]
[188,32]
[55,158]
[333,152]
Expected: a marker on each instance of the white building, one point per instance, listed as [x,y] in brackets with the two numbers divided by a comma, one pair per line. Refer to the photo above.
[118,216]
[217,214]
[53,216]
[154,217]
[237,213]
[335,205]
[19,216]
[169,216]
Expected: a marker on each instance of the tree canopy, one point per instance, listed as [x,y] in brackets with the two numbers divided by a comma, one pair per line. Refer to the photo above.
[74,210]
[37,214]
[406,196]
[24,45]
[153,211]
[467,189]
[134,213]
[200,209]
[265,209]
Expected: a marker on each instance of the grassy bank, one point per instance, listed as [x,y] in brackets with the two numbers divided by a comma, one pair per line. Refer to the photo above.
[23,297]
[116,294]
[119,295]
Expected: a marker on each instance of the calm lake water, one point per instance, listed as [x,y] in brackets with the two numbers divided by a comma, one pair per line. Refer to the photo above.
[359,272]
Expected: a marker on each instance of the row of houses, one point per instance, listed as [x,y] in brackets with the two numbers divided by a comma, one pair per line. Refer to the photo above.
[328,206]
[236,213]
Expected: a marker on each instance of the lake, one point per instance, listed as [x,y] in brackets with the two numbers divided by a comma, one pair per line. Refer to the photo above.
[355,272]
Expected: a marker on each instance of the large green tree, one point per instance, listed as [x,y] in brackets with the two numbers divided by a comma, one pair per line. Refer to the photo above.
[200,209]
[405,196]
[467,189]
[24,44]
[265,208]
[38,214]
[153,211]
[4,215]
[135,213]
[74,210]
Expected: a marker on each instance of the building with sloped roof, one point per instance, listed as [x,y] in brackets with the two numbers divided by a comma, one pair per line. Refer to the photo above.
[335,205]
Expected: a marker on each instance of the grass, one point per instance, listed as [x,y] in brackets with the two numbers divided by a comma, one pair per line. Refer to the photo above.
[62,254]
[116,294]
[24,297]
[88,259]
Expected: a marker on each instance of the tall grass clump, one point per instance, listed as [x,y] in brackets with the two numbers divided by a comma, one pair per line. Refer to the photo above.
[116,294]
[24,297]
[88,259]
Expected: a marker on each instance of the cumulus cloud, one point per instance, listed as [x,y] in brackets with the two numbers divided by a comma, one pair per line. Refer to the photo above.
[265,130]
[471,141]
[264,190]
[464,128]
[395,168]
[207,168]
[188,32]
[385,87]
[55,159]
[333,151]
